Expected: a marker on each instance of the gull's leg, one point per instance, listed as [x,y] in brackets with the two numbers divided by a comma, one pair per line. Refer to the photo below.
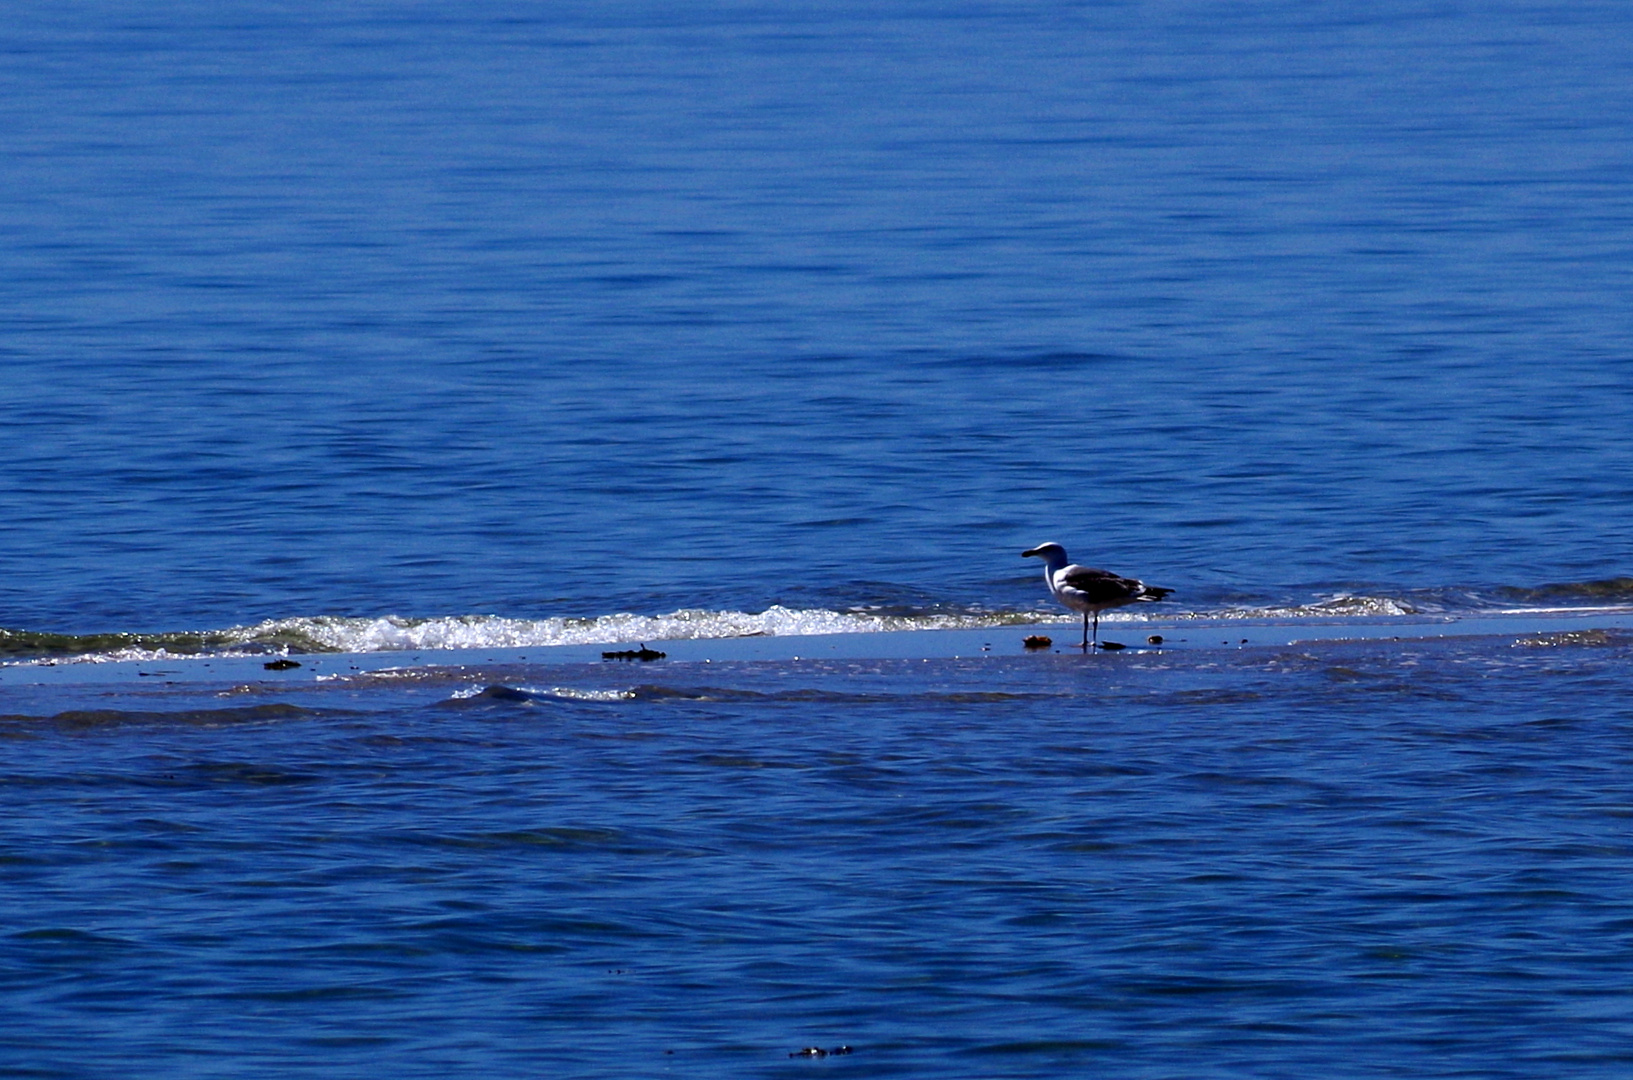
[1097,629]
[1085,631]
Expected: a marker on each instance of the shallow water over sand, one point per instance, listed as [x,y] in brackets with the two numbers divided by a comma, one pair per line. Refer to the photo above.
[1236,859]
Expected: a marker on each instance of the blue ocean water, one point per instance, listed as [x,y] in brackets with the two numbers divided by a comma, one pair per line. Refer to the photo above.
[539,310]
[1347,861]
[503,325]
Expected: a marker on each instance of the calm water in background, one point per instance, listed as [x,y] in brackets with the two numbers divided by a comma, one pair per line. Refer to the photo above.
[572,309]
[539,311]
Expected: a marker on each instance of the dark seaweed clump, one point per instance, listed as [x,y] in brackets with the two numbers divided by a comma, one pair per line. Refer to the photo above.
[43,645]
[1609,589]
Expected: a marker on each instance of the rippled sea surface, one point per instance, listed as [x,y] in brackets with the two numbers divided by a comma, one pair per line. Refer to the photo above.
[1355,859]
[497,328]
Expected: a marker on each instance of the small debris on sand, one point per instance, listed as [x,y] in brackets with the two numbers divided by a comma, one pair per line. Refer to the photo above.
[1592,638]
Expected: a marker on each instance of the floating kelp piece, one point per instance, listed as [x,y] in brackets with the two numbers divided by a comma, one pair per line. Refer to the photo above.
[643,653]
[1037,641]
[283,664]
[1112,646]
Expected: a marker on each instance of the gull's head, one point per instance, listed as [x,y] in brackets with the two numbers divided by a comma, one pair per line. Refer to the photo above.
[1046,552]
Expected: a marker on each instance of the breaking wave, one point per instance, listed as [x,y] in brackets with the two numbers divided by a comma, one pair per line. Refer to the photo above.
[346,634]
[1365,607]
[341,634]
[391,634]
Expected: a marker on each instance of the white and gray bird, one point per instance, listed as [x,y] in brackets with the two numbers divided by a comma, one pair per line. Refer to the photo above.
[1087,590]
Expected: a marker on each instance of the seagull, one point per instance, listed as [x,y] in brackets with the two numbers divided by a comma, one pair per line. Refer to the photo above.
[1089,591]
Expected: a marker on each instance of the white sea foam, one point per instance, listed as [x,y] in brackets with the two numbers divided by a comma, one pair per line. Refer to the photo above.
[393,633]
[332,633]
[1342,606]
[552,693]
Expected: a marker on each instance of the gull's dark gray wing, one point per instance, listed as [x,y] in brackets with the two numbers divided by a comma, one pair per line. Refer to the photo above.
[1104,587]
